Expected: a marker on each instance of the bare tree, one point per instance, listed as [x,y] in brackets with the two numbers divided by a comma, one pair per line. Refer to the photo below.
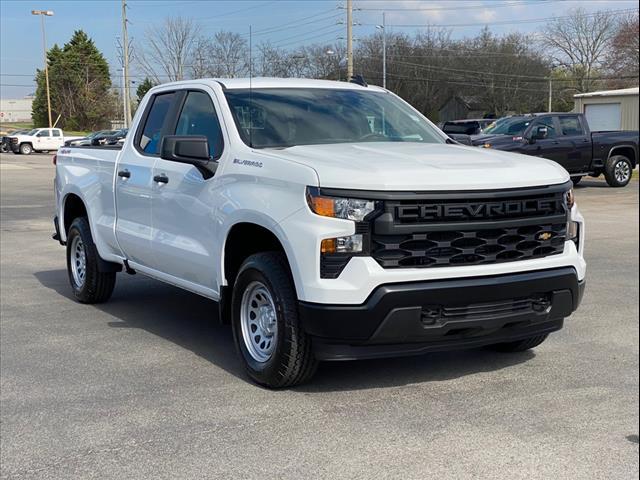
[579,43]
[624,55]
[230,55]
[168,49]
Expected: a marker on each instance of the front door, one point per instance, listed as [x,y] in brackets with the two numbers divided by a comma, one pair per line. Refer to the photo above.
[548,147]
[135,185]
[43,140]
[183,214]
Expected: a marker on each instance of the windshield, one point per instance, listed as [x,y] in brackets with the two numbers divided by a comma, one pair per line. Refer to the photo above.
[509,126]
[286,117]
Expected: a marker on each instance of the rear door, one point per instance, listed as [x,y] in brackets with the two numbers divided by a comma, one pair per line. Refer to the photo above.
[183,215]
[576,142]
[134,181]
[57,140]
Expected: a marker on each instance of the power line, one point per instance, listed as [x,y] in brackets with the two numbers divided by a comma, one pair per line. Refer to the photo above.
[505,22]
[296,23]
[459,7]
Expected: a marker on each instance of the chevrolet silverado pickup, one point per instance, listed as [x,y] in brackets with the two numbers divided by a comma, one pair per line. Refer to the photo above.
[329,220]
[38,140]
[566,138]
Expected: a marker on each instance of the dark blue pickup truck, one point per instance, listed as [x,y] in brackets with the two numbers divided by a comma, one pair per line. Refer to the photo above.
[566,139]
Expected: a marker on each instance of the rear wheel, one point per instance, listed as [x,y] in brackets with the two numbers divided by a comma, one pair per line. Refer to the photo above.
[89,284]
[618,170]
[26,149]
[520,345]
[275,350]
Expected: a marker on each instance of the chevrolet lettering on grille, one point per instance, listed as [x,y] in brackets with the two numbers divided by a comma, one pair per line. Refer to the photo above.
[508,208]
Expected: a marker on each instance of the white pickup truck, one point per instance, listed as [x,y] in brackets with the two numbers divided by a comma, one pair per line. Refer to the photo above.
[329,220]
[38,140]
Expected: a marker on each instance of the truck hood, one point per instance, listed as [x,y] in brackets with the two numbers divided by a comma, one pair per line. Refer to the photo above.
[422,166]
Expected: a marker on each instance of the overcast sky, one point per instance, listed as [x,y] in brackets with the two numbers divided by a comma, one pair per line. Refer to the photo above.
[299,22]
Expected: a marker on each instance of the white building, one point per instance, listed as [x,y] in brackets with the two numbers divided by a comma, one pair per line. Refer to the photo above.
[15,109]
[609,109]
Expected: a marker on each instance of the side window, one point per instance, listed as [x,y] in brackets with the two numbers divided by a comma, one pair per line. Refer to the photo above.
[56,133]
[549,123]
[149,141]
[570,125]
[44,133]
[198,117]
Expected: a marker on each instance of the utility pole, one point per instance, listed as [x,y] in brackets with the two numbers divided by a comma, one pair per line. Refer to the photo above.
[383,27]
[125,63]
[550,93]
[349,39]
[45,13]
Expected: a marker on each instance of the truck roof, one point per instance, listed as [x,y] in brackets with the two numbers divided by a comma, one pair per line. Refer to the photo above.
[272,82]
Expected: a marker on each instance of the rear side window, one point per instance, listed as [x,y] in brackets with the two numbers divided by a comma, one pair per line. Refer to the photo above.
[149,141]
[198,117]
[56,133]
[570,125]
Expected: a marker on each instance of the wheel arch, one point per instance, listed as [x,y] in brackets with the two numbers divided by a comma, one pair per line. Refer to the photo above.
[245,238]
[627,150]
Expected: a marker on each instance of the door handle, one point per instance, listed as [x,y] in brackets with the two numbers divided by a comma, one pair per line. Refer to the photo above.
[161,178]
[124,173]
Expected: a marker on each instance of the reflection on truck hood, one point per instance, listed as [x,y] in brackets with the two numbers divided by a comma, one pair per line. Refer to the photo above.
[422,166]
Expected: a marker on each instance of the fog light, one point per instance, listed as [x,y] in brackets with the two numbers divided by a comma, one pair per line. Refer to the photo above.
[573,232]
[350,244]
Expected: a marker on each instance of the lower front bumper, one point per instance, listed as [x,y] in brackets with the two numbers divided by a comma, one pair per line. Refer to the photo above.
[417,317]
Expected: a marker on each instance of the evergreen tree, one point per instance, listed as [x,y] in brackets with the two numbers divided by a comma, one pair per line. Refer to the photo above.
[143,88]
[79,84]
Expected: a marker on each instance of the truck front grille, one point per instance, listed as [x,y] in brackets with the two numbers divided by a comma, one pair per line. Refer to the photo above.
[469,247]
[470,228]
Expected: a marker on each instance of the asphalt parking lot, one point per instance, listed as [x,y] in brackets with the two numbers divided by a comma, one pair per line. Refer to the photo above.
[148,385]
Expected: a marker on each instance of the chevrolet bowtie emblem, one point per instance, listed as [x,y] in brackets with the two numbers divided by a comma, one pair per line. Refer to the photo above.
[544,236]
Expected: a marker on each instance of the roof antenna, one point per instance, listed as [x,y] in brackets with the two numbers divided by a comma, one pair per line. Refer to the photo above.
[250,87]
[358,80]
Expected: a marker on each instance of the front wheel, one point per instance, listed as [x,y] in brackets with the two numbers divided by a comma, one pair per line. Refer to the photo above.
[520,345]
[26,149]
[275,350]
[618,170]
[89,284]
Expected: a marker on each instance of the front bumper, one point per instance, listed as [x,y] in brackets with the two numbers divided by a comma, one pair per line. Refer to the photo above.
[418,317]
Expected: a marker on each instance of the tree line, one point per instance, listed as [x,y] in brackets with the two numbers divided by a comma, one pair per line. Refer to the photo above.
[579,52]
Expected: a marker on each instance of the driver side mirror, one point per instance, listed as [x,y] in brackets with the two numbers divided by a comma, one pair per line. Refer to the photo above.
[190,149]
[539,133]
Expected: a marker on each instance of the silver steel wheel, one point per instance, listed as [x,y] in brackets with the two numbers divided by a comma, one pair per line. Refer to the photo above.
[622,171]
[78,261]
[258,320]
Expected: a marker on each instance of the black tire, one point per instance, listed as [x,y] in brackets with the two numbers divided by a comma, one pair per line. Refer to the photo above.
[610,174]
[26,149]
[576,180]
[520,345]
[97,286]
[292,361]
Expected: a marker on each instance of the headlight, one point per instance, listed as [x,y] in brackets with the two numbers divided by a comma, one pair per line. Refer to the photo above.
[346,208]
[571,200]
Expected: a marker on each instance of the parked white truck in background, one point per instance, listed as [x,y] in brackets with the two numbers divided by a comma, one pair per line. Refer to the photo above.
[38,140]
[331,221]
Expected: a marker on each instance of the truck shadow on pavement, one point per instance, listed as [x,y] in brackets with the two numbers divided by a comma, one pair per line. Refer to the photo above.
[191,321]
